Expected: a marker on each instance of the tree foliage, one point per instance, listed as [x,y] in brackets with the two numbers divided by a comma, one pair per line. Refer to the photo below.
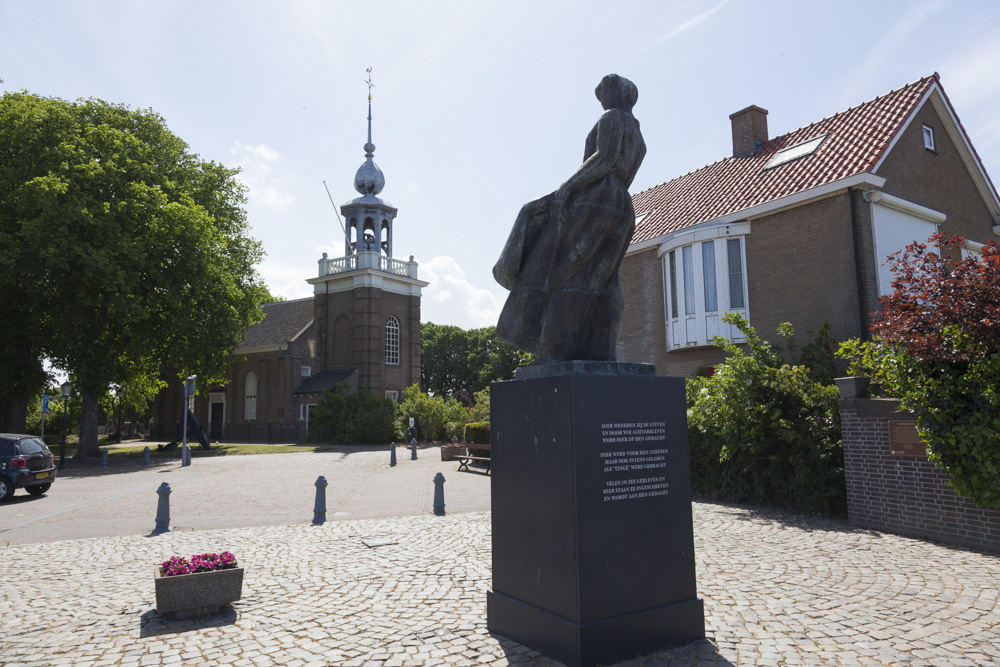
[456,362]
[761,430]
[120,251]
[941,309]
[937,347]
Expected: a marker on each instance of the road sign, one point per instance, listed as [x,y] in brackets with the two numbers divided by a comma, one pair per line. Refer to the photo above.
[45,403]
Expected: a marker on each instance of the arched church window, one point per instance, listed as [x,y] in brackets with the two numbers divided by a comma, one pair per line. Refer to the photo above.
[251,395]
[392,341]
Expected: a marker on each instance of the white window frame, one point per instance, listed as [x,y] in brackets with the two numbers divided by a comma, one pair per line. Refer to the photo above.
[393,394]
[972,248]
[307,371]
[694,325]
[890,218]
[250,396]
[929,138]
[392,341]
[304,409]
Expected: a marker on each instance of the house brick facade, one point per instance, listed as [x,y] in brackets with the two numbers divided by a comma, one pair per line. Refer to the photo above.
[809,210]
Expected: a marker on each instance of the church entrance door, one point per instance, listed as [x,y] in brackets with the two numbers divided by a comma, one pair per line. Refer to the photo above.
[215,421]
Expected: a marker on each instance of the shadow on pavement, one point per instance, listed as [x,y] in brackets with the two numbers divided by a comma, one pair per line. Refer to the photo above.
[790,518]
[152,623]
[695,654]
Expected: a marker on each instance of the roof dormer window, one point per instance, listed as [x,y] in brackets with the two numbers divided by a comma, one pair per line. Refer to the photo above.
[799,150]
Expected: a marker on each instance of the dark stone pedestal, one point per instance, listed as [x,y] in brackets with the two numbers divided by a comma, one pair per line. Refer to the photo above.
[593,546]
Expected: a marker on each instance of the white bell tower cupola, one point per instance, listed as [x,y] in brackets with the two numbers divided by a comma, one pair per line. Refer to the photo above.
[368,219]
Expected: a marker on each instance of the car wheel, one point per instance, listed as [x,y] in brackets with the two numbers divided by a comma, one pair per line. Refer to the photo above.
[38,489]
[6,489]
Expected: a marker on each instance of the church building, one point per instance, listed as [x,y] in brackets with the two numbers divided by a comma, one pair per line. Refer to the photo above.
[360,331]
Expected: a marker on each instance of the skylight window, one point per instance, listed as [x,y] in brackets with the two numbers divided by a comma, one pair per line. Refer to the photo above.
[795,152]
[640,217]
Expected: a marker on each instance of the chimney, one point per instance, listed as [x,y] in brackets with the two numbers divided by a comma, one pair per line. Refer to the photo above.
[749,130]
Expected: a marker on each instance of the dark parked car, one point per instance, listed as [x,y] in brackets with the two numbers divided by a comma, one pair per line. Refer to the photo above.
[25,462]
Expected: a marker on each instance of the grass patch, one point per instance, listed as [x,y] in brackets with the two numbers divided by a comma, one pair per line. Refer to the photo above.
[218,450]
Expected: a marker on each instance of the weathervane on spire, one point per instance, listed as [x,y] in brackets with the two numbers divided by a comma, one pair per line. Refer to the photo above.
[369,147]
[369,179]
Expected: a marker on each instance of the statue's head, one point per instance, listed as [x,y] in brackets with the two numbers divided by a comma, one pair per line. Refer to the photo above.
[616,92]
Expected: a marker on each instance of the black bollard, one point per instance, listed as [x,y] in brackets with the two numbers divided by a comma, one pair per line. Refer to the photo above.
[104,457]
[319,510]
[439,495]
[163,510]
[145,455]
[413,449]
[392,455]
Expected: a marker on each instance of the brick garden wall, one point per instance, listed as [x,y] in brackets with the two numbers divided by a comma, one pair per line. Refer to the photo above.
[904,495]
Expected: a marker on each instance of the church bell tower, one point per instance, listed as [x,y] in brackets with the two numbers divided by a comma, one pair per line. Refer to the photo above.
[367,303]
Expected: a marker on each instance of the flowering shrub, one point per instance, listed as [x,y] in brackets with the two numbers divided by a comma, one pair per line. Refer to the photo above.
[198,563]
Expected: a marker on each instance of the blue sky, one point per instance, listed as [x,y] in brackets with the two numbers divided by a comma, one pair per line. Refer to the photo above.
[478,106]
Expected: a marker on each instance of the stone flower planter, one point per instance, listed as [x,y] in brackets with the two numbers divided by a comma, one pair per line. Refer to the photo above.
[449,453]
[185,595]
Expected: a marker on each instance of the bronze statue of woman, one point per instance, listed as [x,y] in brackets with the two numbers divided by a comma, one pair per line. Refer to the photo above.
[561,260]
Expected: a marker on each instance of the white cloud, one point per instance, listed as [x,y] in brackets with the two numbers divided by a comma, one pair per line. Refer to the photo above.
[451,299]
[288,281]
[969,77]
[692,22]
[411,186]
[259,174]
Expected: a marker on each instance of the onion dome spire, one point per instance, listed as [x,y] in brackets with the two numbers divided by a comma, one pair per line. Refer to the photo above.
[369,180]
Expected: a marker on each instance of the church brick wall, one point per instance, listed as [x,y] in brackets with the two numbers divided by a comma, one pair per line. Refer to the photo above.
[356,320]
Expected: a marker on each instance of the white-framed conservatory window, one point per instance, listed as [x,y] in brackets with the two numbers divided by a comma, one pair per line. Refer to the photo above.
[392,341]
[705,278]
[250,394]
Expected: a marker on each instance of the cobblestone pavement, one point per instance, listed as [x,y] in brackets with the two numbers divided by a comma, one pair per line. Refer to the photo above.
[779,589]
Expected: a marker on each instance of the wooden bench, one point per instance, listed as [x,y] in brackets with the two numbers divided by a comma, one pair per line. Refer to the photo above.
[463,461]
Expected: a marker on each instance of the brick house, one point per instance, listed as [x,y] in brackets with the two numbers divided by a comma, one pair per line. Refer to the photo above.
[360,331]
[797,228]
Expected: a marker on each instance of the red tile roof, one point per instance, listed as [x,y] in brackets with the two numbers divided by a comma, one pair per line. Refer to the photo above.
[856,140]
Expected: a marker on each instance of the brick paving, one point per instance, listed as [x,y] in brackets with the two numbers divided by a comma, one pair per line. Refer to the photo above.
[779,588]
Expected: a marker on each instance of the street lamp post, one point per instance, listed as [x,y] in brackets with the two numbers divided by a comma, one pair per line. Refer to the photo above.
[188,392]
[67,389]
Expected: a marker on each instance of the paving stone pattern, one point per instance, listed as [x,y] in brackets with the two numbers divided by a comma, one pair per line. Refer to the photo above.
[779,589]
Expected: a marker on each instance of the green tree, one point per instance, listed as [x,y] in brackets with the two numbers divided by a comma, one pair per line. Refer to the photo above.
[454,360]
[120,250]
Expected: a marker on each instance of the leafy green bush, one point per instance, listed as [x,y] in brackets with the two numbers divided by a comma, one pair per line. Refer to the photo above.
[763,431]
[478,433]
[480,411]
[937,347]
[357,418]
[435,418]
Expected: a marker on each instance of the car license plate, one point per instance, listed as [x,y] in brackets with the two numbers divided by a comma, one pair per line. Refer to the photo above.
[41,475]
